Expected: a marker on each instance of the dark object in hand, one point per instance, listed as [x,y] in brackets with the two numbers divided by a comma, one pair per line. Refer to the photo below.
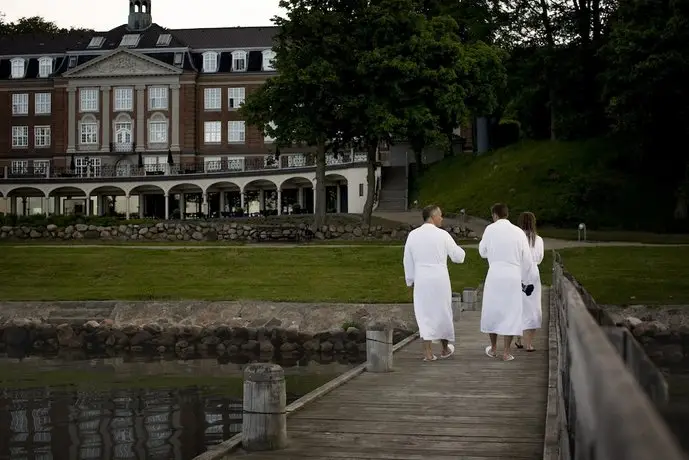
[527,289]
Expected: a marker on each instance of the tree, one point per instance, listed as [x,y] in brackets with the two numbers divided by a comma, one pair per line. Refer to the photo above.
[34,25]
[302,104]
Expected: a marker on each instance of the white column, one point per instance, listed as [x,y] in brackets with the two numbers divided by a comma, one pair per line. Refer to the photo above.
[71,119]
[279,202]
[87,205]
[126,209]
[241,199]
[58,208]
[204,203]
[182,205]
[262,199]
[140,137]
[167,206]
[338,196]
[141,205]
[300,196]
[174,122]
[105,121]
[222,202]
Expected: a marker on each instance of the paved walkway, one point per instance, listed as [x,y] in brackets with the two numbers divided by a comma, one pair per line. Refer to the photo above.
[469,406]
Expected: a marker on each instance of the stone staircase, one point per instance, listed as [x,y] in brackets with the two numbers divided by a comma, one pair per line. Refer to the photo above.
[393,192]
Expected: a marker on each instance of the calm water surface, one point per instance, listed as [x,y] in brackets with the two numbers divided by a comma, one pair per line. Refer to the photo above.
[113,408]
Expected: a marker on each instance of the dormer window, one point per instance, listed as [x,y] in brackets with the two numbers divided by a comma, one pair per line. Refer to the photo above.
[45,67]
[18,68]
[210,61]
[239,61]
[130,40]
[179,59]
[72,62]
[96,42]
[268,57]
[164,40]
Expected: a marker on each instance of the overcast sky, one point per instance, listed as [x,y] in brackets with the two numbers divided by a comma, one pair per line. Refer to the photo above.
[174,14]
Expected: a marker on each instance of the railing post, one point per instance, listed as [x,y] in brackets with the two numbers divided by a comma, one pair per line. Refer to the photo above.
[456,305]
[264,422]
[378,348]
[4,174]
[469,300]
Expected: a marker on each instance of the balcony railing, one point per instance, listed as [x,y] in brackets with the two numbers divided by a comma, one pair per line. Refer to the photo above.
[123,147]
[254,163]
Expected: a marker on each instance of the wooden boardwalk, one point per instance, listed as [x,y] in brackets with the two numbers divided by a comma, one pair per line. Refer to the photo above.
[468,407]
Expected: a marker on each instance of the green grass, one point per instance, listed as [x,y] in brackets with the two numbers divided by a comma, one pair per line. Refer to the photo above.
[563,183]
[617,275]
[615,235]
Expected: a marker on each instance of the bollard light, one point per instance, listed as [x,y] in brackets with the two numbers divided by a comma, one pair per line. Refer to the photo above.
[581,231]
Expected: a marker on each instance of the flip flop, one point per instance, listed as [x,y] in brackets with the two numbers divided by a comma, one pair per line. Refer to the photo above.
[509,358]
[519,345]
[434,358]
[450,347]
[489,353]
[531,350]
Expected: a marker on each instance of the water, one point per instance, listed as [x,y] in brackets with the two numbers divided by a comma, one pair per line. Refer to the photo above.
[114,408]
[676,414]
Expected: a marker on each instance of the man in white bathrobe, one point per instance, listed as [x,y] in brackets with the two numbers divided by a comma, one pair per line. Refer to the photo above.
[509,257]
[425,268]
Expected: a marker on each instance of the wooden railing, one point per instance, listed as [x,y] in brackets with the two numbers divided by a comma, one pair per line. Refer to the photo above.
[597,407]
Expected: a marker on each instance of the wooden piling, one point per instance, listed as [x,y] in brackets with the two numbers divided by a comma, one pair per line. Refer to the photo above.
[264,422]
[378,348]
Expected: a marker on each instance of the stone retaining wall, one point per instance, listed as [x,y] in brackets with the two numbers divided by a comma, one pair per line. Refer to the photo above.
[39,337]
[215,231]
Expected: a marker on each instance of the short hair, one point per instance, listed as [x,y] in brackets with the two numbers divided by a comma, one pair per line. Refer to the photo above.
[500,210]
[429,211]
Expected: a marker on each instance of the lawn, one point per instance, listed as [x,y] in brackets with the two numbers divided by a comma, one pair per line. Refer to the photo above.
[616,275]
[615,235]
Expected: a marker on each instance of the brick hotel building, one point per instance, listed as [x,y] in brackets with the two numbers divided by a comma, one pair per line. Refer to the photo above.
[142,120]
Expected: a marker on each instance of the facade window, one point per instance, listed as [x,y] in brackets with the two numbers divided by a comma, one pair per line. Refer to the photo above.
[20,136]
[157,98]
[45,67]
[89,132]
[239,61]
[268,57]
[178,59]
[124,99]
[18,67]
[210,61]
[235,97]
[20,166]
[211,98]
[267,138]
[42,103]
[130,40]
[96,42]
[123,133]
[41,136]
[72,62]
[212,132]
[157,131]
[88,100]
[212,164]
[87,167]
[20,104]
[164,39]
[41,166]
[235,131]
[155,164]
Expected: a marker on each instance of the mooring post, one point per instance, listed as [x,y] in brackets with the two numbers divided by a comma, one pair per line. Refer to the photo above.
[378,348]
[456,305]
[469,300]
[264,423]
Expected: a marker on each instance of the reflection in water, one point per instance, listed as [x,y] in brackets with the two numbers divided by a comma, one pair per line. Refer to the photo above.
[70,422]
[676,413]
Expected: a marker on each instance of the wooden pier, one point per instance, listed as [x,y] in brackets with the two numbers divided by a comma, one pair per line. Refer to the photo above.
[467,407]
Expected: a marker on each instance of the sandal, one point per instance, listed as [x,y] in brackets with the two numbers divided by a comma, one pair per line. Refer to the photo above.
[508,358]
[450,347]
[489,353]
[434,358]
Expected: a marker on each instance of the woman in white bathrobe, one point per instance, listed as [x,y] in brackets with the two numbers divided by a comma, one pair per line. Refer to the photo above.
[532,314]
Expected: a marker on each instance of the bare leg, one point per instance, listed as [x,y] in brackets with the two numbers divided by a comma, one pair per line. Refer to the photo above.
[528,338]
[444,343]
[508,342]
[427,349]
[518,341]
[493,343]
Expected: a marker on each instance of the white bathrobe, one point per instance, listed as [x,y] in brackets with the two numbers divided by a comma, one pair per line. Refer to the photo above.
[425,267]
[509,258]
[532,313]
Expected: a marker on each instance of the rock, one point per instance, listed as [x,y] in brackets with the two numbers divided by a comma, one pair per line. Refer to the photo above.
[250,345]
[141,338]
[288,347]
[265,346]
[631,322]
[326,347]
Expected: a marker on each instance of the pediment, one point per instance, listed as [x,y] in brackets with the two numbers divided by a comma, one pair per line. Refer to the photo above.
[122,63]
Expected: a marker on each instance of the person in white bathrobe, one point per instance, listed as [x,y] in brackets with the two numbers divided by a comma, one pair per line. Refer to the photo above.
[509,259]
[532,314]
[425,268]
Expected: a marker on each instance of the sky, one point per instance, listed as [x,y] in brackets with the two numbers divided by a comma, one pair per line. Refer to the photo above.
[173,14]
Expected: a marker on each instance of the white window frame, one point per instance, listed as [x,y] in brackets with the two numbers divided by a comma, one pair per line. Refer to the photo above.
[210,61]
[268,57]
[235,98]
[84,169]
[164,40]
[155,164]
[130,40]
[19,166]
[124,128]
[20,104]
[212,98]
[88,132]
[18,66]
[157,98]
[45,67]
[41,136]
[239,56]
[212,164]
[42,103]
[236,132]
[178,59]
[212,132]
[96,42]
[88,99]
[41,166]
[157,131]
[266,137]
[124,99]
[20,137]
